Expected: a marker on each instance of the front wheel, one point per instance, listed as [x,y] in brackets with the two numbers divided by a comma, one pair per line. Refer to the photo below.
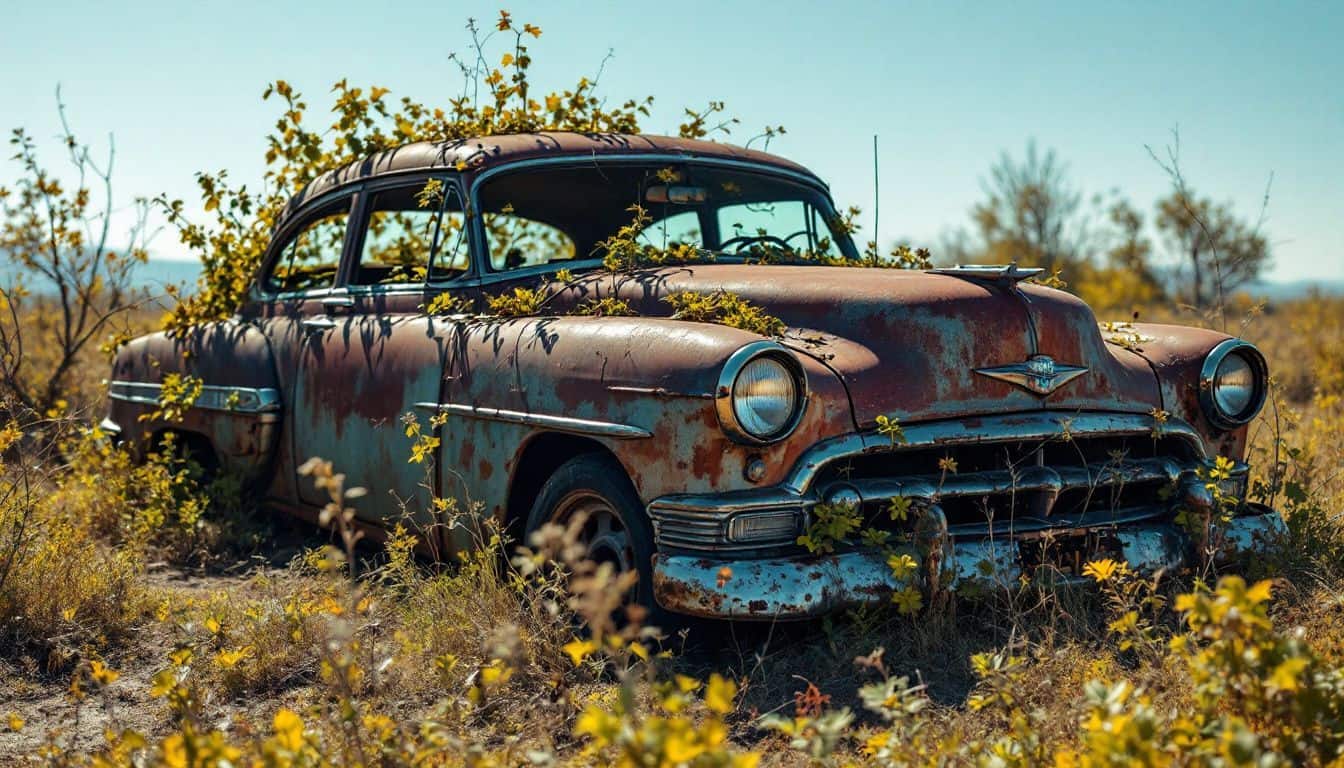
[594,488]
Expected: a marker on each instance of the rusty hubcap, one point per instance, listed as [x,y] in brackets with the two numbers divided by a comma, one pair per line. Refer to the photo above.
[603,533]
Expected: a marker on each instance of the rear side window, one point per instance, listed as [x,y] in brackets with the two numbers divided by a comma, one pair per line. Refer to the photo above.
[515,241]
[678,229]
[415,234]
[312,256]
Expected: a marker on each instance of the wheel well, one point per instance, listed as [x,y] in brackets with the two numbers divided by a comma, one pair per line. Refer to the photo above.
[193,444]
[539,460]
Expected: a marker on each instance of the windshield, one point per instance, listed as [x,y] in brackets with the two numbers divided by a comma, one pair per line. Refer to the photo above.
[562,214]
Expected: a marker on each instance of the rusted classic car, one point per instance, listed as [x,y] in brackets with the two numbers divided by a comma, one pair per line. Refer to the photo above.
[1021,436]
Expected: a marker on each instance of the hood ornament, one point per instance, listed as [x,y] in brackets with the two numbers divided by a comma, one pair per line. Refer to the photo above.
[1040,374]
[1006,273]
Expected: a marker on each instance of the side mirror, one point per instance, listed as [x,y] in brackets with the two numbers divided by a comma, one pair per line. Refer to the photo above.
[676,195]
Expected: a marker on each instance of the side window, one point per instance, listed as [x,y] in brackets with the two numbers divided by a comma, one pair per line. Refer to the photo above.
[679,228]
[313,255]
[515,241]
[414,234]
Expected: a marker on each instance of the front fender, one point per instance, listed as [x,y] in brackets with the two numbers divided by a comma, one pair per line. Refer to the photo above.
[1177,354]
[654,375]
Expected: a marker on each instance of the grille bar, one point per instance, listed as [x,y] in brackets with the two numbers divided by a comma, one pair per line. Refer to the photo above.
[1003,481]
[1041,427]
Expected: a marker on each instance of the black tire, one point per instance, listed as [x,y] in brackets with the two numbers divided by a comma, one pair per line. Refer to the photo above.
[598,481]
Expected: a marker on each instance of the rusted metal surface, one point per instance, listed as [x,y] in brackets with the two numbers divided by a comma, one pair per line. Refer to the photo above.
[796,588]
[348,363]
[473,156]
[906,344]
[227,357]
[1176,354]
[1253,533]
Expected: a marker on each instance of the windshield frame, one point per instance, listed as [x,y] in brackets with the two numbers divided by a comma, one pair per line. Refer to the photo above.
[480,245]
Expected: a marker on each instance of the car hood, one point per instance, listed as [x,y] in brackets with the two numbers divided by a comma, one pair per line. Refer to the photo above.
[908,344]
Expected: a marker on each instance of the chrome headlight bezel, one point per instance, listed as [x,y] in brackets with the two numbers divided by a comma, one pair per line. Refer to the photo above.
[1208,383]
[725,391]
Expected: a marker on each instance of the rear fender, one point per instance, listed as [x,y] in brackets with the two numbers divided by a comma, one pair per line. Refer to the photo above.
[239,408]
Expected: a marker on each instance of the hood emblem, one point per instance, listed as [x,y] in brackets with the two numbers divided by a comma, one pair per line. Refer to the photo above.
[1039,374]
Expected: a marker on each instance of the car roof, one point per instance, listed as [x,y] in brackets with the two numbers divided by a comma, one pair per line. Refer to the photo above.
[475,155]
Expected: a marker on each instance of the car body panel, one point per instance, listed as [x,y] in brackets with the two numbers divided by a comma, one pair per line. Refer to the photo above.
[235,362]
[907,343]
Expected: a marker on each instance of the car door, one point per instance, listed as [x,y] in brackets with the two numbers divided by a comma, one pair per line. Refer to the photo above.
[381,361]
[288,305]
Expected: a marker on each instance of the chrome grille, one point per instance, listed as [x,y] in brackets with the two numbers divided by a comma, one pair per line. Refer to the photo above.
[1012,486]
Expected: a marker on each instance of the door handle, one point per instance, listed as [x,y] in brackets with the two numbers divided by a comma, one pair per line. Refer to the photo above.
[333,304]
[317,324]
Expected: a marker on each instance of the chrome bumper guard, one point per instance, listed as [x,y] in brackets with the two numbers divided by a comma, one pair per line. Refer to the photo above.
[805,587]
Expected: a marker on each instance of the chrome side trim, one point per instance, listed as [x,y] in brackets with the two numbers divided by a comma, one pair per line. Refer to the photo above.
[211,398]
[544,420]
[1040,426]
[658,392]
[1210,369]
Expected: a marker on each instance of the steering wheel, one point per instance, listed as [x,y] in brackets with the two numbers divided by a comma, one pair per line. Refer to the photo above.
[748,240]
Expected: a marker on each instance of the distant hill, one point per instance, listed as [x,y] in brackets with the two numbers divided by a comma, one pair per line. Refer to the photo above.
[152,276]
[1294,289]
[160,272]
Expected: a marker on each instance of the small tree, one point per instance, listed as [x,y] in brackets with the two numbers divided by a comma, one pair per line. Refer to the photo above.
[1033,215]
[66,276]
[1216,251]
[496,98]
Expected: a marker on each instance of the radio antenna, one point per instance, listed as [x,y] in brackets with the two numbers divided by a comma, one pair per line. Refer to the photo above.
[876,199]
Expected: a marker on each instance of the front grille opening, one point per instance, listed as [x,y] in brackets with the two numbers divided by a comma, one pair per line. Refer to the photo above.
[1029,507]
[982,457]
[1090,491]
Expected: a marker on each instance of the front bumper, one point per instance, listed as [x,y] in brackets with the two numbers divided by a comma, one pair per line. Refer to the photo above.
[804,587]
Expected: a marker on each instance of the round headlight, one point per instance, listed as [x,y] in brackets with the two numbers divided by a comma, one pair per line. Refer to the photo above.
[1234,385]
[1233,388]
[761,393]
[764,397]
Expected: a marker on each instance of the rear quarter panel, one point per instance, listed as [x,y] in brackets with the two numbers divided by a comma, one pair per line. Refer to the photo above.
[230,355]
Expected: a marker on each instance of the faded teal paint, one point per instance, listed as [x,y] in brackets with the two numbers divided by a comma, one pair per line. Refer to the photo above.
[354,385]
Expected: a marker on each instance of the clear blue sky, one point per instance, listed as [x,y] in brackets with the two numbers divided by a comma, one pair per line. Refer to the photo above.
[1254,89]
